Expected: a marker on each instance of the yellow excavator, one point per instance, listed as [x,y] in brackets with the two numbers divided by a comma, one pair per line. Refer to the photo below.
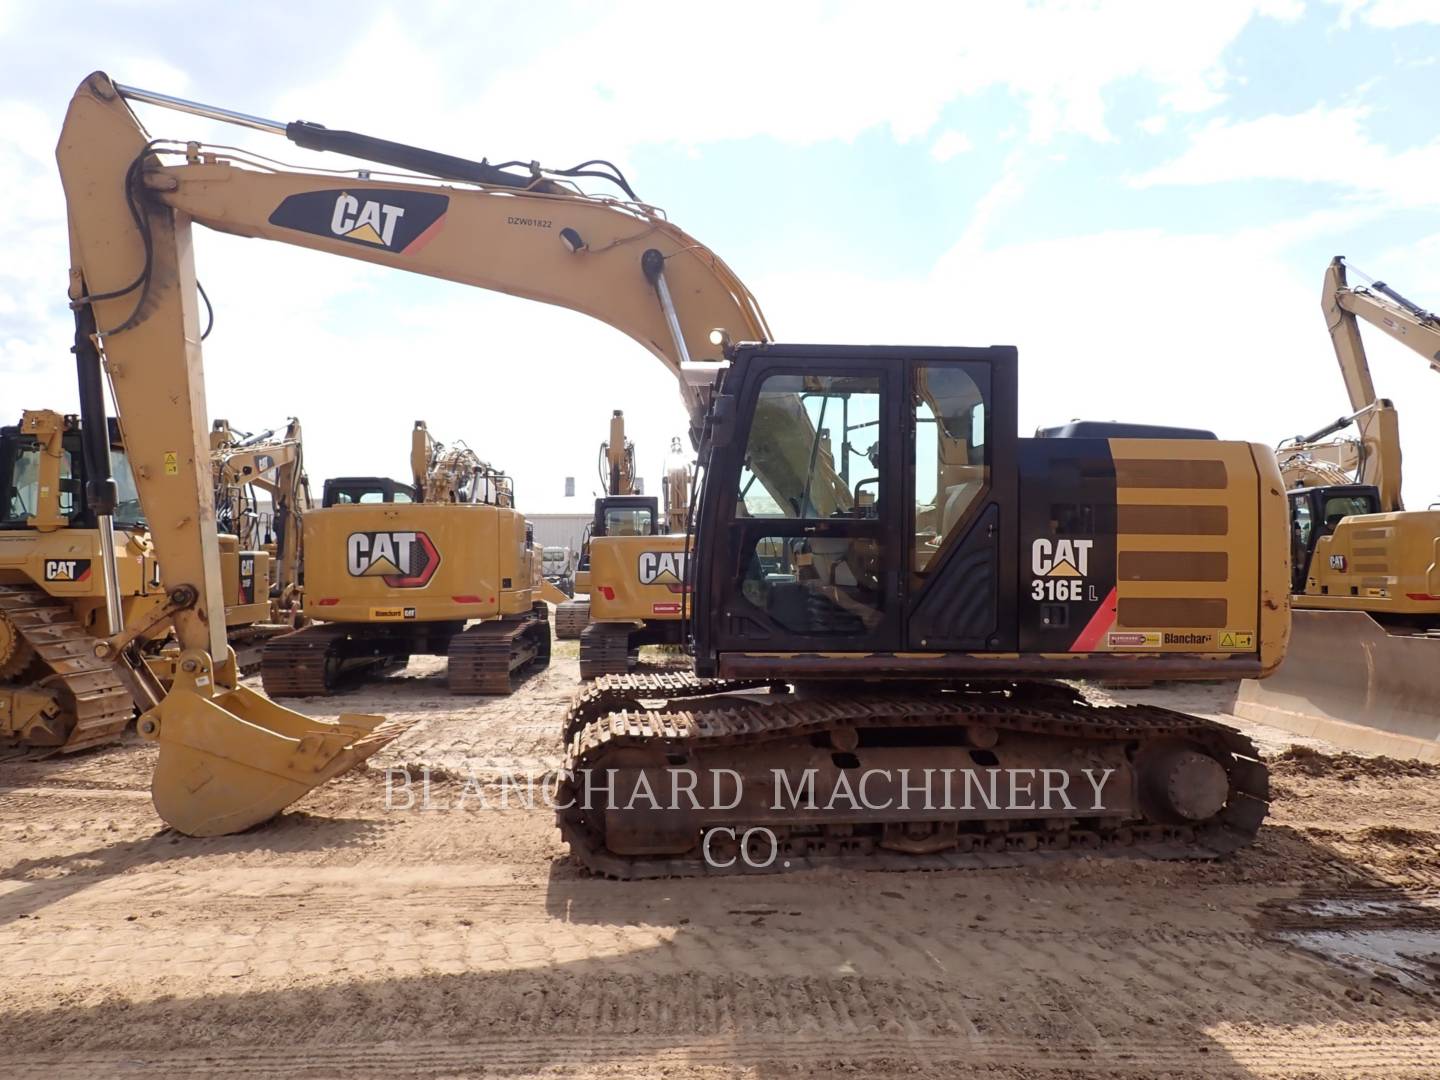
[622,503]
[888,579]
[260,556]
[632,565]
[271,463]
[395,571]
[1365,571]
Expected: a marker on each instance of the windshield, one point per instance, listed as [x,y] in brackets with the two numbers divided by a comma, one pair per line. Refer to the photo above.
[627,521]
[127,508]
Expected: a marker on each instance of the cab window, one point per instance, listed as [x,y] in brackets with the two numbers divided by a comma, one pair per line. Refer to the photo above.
[952,457]
[627,521]
[813,449]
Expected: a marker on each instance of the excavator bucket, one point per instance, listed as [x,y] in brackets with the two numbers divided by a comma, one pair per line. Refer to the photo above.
[1348,681]
[230,759]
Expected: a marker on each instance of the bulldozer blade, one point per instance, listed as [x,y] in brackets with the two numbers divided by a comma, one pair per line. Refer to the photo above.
[233,760]
[1347,680]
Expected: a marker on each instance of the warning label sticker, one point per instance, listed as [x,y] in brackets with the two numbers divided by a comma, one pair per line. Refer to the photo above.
[1231,640]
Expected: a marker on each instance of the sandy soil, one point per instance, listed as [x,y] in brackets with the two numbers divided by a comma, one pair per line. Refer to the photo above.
[345,939]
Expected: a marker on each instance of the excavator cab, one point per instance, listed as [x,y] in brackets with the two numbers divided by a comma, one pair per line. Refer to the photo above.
[346,490]
[626,515]
[1315,513]
[860,498]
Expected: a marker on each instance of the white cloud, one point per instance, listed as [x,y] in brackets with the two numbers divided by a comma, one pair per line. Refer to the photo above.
[1155,125]
[1322,145]
[1389,14]
[855,72]
[950,144]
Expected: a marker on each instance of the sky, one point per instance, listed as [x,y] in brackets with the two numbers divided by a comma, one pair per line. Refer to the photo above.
[1141,197]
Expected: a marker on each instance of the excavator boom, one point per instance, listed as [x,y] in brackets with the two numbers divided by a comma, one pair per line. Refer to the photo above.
[1362,666]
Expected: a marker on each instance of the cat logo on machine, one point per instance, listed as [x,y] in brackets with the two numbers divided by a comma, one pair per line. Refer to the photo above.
[1060,568]
[70,571]
[663,568]
[247,580]
[390,219]
[1337,562]
[403,560]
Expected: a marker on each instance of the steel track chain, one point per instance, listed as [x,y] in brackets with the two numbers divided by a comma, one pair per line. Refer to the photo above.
[97,702]
[297,664]
[487,658]
[1235,826]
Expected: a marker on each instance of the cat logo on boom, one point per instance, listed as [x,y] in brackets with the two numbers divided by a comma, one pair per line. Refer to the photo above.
[403,560]
[387,219]
[663,568]
[70,571]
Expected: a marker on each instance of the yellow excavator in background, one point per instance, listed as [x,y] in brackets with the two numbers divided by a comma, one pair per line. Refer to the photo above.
[261,555]
[889,579]
[618,482]
[393,572]
[632,565]
[638,582]
[1363,662]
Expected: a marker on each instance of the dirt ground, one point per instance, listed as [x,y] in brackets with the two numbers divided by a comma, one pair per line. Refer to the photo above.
[348,939]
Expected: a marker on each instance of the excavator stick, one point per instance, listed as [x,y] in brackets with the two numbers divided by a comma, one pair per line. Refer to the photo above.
[233,759]
[1347,680]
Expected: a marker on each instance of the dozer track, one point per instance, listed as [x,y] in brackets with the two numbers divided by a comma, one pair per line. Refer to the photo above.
[491,657]
[93,705]
[1181,786]
[571,618]
[306,663]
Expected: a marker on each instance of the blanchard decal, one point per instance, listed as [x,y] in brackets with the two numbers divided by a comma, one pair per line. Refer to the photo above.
[69,570]
[388,613]
[247,579]
[1133,639]
[398,221]
[403,560]
[1060,568]
[1188,639]
[662,568]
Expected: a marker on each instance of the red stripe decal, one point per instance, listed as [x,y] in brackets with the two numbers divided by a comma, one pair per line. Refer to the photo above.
[1095,629]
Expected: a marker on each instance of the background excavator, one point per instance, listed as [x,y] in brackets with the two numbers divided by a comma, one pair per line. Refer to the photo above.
[261,551]
[622,505]
[393,572]
[1363,662]
[270,464]
[888,580]
[632,565]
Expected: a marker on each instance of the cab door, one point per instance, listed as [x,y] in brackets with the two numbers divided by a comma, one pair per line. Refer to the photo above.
[798,546]
[960,513]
